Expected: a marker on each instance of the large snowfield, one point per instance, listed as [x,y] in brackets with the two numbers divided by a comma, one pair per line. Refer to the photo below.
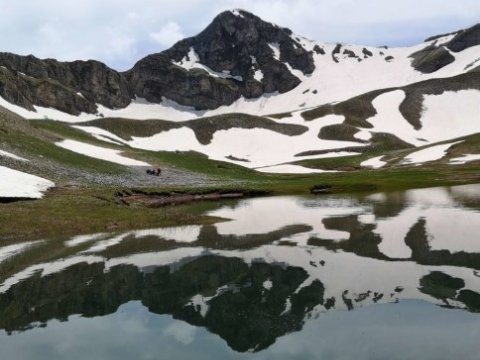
[444,117]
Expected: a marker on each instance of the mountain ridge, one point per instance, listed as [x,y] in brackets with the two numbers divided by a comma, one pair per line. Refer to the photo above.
[237,56]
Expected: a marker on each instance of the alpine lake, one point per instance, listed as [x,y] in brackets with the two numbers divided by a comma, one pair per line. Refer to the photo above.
[370,276]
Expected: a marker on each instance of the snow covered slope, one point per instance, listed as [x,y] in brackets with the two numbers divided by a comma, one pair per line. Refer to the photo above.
[350,99]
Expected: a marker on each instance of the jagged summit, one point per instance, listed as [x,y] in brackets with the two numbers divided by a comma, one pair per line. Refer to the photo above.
[255,56]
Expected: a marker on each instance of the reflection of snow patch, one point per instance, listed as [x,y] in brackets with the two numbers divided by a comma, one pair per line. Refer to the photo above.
[261,216]
[185,234]
[267,284]
[12,250]
[81,239]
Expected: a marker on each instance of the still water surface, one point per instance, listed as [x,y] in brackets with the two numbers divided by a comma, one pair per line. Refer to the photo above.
[382,276]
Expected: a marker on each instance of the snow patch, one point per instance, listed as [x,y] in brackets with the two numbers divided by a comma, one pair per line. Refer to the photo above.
[12,156]
[237,12]
[431,153]
[363,135]
[258,75]
[192,61]
[99,152]
[374,163]
[446,116]
[101,134]
[290,169]
[17,184]
[275,50]
[464,159]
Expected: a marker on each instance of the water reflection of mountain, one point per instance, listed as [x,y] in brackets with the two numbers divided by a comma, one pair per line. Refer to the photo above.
[247,305]
[279,262]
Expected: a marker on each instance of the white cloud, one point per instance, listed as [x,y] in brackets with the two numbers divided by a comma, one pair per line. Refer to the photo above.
[168,35]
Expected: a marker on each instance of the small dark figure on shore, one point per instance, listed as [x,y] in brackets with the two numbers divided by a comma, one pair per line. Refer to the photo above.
[156,172]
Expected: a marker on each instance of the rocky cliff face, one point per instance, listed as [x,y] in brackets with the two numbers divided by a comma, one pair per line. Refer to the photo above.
[240,44]
[72,87]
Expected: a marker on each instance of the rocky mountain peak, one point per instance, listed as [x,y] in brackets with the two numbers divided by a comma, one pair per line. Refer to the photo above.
[238,54]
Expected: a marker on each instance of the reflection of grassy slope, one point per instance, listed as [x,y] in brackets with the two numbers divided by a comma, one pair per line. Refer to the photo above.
[440,285]
[362,240]
[208,238]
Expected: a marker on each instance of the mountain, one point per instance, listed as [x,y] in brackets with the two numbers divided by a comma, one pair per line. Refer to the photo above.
[237,56]
[252,93]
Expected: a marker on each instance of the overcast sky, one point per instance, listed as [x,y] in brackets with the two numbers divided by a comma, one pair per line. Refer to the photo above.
[120,32]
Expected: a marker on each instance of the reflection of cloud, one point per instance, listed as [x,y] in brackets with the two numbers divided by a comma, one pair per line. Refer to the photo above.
[134,326]
[182,332]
